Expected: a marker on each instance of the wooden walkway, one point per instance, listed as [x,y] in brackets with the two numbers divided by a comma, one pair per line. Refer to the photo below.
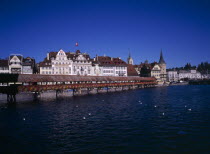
[11,84]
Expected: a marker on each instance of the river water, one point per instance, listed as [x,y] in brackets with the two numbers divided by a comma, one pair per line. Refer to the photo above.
[154,120]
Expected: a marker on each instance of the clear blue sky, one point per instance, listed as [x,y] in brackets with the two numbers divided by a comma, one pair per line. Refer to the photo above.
[180,27]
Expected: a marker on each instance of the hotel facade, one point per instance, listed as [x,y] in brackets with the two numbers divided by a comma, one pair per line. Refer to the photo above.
[77,63]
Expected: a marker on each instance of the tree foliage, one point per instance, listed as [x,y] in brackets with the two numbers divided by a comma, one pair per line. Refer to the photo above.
[203,67]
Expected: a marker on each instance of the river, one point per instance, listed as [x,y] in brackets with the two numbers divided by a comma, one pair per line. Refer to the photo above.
[153,120]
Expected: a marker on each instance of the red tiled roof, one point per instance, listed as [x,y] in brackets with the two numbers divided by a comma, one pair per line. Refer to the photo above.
[108,61]
[131,70]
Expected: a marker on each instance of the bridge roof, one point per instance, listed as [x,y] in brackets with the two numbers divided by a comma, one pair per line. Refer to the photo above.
[69,78]
[66,78]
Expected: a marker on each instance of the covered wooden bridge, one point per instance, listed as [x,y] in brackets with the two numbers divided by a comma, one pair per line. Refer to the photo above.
[11,84]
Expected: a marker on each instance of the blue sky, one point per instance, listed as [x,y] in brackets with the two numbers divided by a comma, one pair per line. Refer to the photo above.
[111,27]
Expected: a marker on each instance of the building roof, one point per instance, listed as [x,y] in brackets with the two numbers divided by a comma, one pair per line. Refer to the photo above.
[28,61]
[69,78]
[70,55]
[45,63]
[3,63]
[108,61]
[131,70]
[161,61]
[20,57]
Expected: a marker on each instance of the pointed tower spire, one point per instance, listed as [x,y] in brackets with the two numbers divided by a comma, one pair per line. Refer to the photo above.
[161,61]
[129,53]
[129,60]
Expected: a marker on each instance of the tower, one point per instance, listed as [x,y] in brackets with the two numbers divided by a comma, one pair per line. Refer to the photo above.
[162,64]
[130,60]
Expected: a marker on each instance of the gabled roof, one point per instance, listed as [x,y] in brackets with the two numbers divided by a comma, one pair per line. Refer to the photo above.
[18,56]
[70,55]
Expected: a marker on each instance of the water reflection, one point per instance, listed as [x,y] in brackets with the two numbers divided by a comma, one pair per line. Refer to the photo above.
[129,121]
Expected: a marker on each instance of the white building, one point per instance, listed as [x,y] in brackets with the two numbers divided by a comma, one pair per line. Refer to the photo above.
[191,74]
[15,63]
[172,76]
[156,71]
[66,63]
[110,66]
[70,63]
[28,66]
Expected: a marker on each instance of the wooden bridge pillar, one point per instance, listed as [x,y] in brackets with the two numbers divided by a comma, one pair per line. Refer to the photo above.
[56,93]
[11,98]
[73,90]
[36,95]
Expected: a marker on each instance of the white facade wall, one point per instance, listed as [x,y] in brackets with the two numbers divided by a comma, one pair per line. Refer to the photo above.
[15,65]
[193,74]
[97,70]
[155,72]
[82,68]
[114,71]
[27,70]
[62,65]
[121,71]
[172,76]
[46,70]
[4,70]
[108,71]
[78,65]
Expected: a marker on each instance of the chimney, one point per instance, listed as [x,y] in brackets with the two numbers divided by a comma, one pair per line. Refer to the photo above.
[94,59]
[111,59]
[48,56]
[119,57]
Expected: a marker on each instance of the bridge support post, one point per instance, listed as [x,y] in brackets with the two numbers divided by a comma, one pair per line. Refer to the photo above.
[73,90]
[11,98]
[36,95]
[56,93]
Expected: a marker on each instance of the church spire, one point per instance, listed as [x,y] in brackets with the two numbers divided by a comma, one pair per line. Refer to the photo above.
[129,54]
[130,60]
[161,61]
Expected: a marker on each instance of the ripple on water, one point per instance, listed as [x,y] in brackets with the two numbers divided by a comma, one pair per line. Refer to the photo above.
[111,122]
